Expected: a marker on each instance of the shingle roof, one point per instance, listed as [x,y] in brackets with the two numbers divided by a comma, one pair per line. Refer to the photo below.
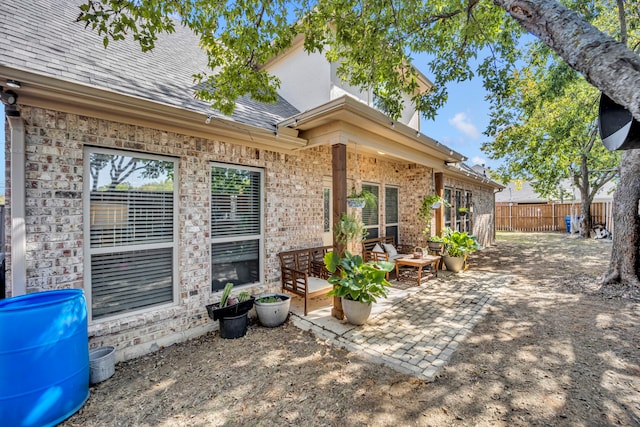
[43,37]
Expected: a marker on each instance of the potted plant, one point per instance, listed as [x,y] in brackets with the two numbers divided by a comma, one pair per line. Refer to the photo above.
[357,283]
[349,229]
[361,199]
[435,243]
[463,211]
[427,205]
[272,309]
[231,312]
[457,246]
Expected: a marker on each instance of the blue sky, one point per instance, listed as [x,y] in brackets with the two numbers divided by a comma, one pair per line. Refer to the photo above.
[460,123]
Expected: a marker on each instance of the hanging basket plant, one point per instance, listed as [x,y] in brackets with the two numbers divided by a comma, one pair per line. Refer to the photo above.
[357,203]
[361,199]
[427,205]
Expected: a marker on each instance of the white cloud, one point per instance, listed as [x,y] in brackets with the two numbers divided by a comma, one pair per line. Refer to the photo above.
[461,122]
[477,160]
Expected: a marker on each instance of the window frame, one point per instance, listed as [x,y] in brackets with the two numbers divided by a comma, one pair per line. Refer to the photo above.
[88,251]
[458,195]
[248,237]
[375,226]
[397,207]
[468,203]
[448,207]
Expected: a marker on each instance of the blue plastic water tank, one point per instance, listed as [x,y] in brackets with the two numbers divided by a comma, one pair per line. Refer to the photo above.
[44,357]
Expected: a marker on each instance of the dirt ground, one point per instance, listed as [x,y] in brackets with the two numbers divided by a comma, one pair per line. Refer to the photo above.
[554,349]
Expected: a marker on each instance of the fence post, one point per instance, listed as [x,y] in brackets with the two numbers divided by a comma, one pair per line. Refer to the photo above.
[510,226]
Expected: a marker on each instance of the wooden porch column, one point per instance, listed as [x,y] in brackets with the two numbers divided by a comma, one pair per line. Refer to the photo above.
[339,173]
[439,213]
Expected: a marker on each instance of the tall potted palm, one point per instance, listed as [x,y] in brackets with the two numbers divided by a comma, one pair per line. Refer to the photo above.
[359,284]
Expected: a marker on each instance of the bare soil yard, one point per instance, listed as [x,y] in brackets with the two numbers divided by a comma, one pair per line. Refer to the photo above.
[554,349]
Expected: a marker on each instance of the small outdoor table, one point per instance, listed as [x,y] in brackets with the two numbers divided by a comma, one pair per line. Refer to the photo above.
[418,263]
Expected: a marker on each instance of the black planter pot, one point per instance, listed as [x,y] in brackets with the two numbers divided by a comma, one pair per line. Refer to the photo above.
[233,327]
[215,312]
[233,319]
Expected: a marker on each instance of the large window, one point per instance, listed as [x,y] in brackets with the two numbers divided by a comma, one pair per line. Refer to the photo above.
[391,212]
[131,211]
[236,225]
[466,219]
[457,206]
[448,207]
[370,216]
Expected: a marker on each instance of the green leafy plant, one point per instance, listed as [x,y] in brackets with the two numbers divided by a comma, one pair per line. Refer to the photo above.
[271,298]
[427,205]
[369,198]
[459,243]
[224,299]
[435,239]
[355,279]
[244,296]
[349,229]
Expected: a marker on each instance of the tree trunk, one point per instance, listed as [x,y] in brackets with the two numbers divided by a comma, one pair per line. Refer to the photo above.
[625,254]
[586,197]
[607,64]
[586,224]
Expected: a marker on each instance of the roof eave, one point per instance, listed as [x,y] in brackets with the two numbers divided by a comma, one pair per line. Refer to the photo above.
[351,110]
[48,92]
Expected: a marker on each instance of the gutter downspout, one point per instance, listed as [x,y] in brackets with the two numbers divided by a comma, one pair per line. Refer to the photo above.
[18,230]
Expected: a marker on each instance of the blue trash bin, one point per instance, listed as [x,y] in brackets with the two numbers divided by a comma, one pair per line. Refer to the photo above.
[567,220]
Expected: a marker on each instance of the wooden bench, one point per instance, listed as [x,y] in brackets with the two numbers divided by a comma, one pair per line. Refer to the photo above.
[304,273]
[368,253]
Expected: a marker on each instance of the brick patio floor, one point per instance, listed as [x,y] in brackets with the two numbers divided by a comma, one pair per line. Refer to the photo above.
[416,329]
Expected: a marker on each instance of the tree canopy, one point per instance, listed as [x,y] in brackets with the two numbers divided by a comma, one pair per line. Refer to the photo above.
[373,41]
[544,127]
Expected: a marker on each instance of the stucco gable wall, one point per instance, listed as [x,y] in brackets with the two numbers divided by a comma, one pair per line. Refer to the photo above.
[305,78]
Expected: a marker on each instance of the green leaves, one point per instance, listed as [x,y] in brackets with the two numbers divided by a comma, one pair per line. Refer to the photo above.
[369,41]
[543,124]
[356,280]
[459,243]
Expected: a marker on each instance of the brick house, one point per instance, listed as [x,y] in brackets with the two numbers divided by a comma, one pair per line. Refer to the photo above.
[120,183]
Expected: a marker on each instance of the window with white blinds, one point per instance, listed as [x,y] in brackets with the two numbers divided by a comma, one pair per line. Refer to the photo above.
[131,213]
[370,216]
[236,225]
[391,212]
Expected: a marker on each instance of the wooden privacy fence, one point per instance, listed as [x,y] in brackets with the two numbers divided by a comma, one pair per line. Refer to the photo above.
[547,217]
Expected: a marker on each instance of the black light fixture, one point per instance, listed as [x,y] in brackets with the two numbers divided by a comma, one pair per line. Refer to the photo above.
[9,97]
[207,120]
[619,130]
[14,84]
